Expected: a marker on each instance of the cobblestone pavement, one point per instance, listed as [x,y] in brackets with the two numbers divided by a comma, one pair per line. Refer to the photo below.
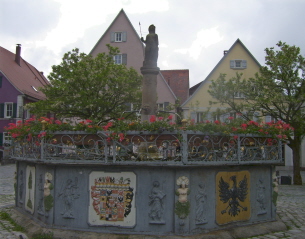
[290,207]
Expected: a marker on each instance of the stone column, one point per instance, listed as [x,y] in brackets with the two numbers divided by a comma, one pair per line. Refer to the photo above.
[150,72]
[149,92]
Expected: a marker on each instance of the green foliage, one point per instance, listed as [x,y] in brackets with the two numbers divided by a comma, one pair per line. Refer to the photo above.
[15,227]
[278,90]
[48,202]
[89,88]
[48,235]
[182,210]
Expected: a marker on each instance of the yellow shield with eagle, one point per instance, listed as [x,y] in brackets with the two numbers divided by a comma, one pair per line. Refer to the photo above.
[232,197]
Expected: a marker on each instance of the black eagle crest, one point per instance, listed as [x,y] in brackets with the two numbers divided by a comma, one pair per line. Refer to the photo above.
[233,195]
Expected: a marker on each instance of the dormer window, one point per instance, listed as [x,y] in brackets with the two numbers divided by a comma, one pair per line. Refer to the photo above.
[238,64]
[34,88]
[118,36]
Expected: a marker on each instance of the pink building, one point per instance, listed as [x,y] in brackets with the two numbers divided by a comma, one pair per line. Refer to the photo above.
[123,35]
[20,84]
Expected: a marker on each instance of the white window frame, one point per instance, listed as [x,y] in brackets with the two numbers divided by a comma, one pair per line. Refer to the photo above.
[199,117]
[160,106]
[7,138]
[238,64]
[118,59]
[118,37]
[6,110]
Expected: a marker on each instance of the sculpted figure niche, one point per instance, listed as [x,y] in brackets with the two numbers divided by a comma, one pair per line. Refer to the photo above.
[151,48]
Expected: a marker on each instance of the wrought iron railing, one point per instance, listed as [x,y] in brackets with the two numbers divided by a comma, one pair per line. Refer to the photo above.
[181,148]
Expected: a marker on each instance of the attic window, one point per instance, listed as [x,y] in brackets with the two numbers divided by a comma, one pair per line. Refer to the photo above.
[238,64]
[118,36]
[34,88]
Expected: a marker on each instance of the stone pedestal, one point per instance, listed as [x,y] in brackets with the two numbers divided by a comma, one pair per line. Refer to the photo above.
[149,92]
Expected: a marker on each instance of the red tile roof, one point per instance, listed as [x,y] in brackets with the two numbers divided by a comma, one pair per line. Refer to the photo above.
[24,76]
[178,80]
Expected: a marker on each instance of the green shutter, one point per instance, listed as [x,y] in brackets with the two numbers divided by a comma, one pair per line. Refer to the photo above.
[232,63]
[244,64]
[15,110]
[112,37]
[124,59]
[124,36]
[2,110]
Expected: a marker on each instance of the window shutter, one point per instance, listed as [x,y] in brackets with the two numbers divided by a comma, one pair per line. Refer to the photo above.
[166,104]
[232,63]
[1,139]
[124,36]
[112,36]
[14,110]
[0,81]
[124,59]
[2,110]
[193,115]
[244,64]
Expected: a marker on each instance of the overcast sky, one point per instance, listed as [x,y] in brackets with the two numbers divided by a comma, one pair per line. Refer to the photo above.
[192,33]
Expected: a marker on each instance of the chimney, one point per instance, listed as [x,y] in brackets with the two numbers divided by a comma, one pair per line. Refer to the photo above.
[18,52]
[225,52]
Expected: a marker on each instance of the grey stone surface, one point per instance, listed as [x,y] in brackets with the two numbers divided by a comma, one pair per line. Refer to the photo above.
[290,211]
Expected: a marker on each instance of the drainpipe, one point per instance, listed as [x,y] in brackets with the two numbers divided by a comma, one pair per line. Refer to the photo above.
[18,53]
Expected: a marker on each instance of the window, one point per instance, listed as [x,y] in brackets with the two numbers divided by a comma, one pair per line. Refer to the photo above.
[34,88]
[7,139]
[162,106]
[270,118]
[238,95]
[129,107]
[199,117]
[8,110]
[120,59]
[238,64]
[118,36]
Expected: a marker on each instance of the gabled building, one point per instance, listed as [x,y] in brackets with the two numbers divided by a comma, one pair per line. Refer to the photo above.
[19,84]
[237,59]
[123,35]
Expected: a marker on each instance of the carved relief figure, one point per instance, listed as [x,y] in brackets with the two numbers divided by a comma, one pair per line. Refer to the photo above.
[69,193]
[261,197]
[182,205]
[30,186]
[151,48]
[48,198]
[40,189]
[200,204]
[157,203]
[21,185]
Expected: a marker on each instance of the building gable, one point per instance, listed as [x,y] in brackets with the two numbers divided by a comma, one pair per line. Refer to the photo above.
[131,46]
[245,63]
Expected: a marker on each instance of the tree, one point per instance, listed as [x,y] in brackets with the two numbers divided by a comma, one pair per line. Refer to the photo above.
[278,90]
[89,88]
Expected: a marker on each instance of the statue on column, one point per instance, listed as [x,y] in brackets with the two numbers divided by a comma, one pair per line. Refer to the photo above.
[151,48]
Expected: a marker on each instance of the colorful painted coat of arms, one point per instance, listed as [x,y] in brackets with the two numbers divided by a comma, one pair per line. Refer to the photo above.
[112,198]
